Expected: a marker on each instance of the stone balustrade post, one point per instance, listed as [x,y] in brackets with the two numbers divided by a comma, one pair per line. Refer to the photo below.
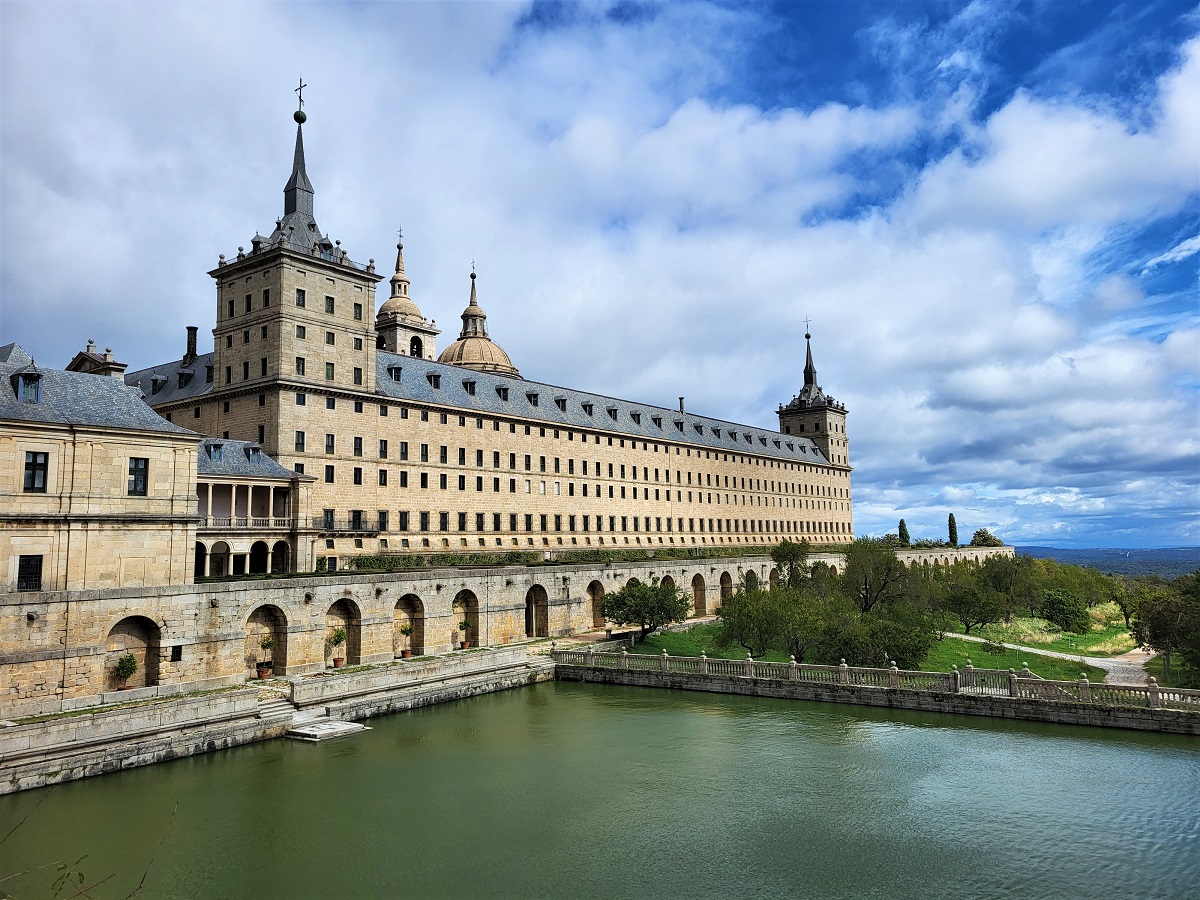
[591,658]
[1085,689]
[1155,699]
[662,662]
[793,669]
[893,676]
[968,674]
[1012,682]
[749,666]
[843,672]
[554,650]
[624,658]
[1025,673]
[954,679]
[703,663]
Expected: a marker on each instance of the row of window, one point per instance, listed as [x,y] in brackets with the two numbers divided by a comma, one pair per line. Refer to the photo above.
[37,465]
[330,374]
[301,301]
[330,304]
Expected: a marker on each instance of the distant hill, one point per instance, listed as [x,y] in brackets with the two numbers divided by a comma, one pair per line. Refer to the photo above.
[1165,562]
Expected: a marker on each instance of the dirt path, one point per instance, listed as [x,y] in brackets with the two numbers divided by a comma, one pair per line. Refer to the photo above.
[1129,668]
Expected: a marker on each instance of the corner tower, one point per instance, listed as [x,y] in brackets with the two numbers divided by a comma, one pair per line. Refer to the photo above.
[294,314]
[817,416]
[400,327]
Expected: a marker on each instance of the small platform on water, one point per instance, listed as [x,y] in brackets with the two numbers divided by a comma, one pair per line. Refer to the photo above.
[325,730]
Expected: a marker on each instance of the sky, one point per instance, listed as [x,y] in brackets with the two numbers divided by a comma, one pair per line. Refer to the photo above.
[989,212]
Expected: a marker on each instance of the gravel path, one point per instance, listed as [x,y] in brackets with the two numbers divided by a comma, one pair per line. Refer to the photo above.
[1129,668]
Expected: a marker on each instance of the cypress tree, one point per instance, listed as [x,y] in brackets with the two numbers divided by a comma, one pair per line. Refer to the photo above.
[903,533]
[953,526]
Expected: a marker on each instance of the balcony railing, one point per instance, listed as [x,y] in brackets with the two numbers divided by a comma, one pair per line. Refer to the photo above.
[353,525]
[262,522]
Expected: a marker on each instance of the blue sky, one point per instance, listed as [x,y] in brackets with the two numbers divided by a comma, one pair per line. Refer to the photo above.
[990,211]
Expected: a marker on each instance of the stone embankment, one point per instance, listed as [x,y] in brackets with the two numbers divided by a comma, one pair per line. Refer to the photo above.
[976,692]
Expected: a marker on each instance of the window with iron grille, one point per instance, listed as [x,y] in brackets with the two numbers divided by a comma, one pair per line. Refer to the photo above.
[29,573]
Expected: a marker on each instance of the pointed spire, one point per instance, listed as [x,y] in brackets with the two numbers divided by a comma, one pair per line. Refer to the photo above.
[473,317]
[298,192]
[810,370]
[400,281]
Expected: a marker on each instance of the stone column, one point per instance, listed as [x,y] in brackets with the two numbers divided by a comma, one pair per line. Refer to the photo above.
[703,663]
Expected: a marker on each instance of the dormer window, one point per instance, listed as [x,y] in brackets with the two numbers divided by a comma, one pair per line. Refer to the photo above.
[28,387]
[637,417]
[699,429]
[561,403]
[776,443]
[749,437]
[532,398]
[657,420]
[185,375]
[679,424]
[791,446]
[208,370]
[763,441]
[252,452]
[588,408]
[216,452]
[435,380]
[156,383]
[716,431]
[612,413]
[502,393]
[469,387]
[395,372]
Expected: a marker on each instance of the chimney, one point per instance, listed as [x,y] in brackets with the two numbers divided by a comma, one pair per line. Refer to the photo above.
[681,404]
[190,356]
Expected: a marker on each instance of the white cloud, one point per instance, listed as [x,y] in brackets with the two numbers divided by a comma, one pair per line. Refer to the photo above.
[1182,250]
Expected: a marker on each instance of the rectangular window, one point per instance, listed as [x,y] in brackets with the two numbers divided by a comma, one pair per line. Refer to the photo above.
[266,298]
[444,521]
[462,521]
[329,371]
[330,403]
[36,465]
[229,308]
[542,522]
[262,366]
[358,312]
[462,456]
[358,446]
[383,520]
[357,475]
[29,573]
[329,305]
[245,370]
[424,521]
[329,338]
[358,406]
[404,450]
[528,522]
[300,302]
[229,374]
[383,448]
[329,474]
[139,470]
[495,522]
[424,479]
[403,523]
[299,441]
[299,367]
[249,303]
[329,443]
[383,477]
[512,522]
[462,482]
[443,454]
[358,375]
[262,434]
[358,343]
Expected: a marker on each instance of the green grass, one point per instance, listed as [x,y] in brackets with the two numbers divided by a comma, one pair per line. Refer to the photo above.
[951,651]
[701,639]
[1108,635]
[1179,676]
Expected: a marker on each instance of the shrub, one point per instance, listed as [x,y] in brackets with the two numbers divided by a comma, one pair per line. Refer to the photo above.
[1064,609]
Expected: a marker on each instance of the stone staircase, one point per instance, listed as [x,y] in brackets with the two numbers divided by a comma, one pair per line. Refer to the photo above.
[277,706]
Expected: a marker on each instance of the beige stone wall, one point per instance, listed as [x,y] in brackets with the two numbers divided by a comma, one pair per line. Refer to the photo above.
[213,629]
[89,531]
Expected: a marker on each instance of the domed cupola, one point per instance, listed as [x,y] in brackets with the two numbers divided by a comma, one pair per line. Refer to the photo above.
[474,349]
[399,325]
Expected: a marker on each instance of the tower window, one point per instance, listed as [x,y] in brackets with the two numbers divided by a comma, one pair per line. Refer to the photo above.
[329,305]
[329,371]
[299,366]
[139,469]
[329,338]
[358,309]
[300,300]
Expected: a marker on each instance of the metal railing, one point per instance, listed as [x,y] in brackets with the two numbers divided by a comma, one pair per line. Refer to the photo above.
[994,682]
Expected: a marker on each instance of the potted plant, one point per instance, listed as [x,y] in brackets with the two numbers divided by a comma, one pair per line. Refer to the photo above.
[265,666]
[123,670]
[406,629]
[464,626]
[336,640]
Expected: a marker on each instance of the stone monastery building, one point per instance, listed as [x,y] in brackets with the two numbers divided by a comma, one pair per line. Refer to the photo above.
[415,450]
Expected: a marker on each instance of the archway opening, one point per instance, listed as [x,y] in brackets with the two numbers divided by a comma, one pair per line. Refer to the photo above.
[726,586]
[201,556]
[409,615]
[218,559]
[699,596]
[667,581]
[281,557]
[537,612]
[466,609]
[416,348]
[343,615]
[139,637]
[260,555]
[595,592]
[266,621]
[773,578]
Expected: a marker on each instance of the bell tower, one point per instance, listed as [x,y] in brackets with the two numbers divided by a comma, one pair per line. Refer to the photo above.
[399,326]
[817,416]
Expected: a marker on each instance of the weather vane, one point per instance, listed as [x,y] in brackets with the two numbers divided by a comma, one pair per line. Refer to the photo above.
[300,91]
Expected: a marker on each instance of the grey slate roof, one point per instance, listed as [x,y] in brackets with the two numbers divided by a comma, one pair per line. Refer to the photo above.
[168,374]
[241,458]
[711,434]
[75,398]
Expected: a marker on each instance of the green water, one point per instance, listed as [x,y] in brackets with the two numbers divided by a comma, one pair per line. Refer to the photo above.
[564,790]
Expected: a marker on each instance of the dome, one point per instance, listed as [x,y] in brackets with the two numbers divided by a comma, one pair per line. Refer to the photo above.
[401,306]
[479,353]
[400,303]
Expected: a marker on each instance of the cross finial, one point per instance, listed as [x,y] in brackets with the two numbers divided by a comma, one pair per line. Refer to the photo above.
[400,233]
[300,91]
[472,267]
[807,322]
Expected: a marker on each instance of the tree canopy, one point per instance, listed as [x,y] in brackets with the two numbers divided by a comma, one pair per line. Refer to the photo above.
[648,606]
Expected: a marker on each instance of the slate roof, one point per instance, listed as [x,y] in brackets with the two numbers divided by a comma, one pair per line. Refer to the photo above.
[168,373]
[240,458]
[636,420]
[76,398]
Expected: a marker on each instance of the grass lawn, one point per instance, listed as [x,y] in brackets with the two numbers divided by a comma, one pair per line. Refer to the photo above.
[951,651]
[703,638]
[1107,637]
[1179,677]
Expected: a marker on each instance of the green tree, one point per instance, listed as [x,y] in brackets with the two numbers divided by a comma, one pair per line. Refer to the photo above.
[648,606]
[791,558]
[1064,609]
[984,538]
[1011,577]
[905,540]
[1167,619]
[973,604]
[952,526]
[749,617]
[873,574]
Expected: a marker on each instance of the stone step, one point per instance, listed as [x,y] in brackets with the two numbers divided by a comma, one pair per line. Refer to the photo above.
[275,708]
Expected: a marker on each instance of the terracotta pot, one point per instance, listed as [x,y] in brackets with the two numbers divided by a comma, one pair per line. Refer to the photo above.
[339,661]
[406,654]
[264,671]
[463,645]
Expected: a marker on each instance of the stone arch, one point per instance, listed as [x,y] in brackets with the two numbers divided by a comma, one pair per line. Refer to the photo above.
[699,595]
[140,636]
[667,581]
[466,606]
[343,614]
[537,612]
[266,620]
[773,578]
[751,580]
[632,581]
[416,348]
[595,592]
[220,558]
[281,557]
[726,586]
[833,571]
[409,610]
[201,557]
[260,558]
